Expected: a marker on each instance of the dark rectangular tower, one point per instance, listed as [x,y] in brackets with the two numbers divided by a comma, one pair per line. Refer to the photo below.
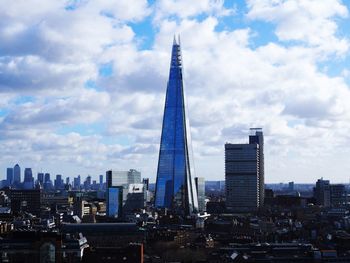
[242,177]
[244,174]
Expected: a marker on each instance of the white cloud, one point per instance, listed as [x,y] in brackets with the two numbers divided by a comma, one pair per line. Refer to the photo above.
[51,53]
[87,108]
[311,21]
[182,9]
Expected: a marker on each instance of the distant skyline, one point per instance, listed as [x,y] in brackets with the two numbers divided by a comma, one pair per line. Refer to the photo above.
[82,84]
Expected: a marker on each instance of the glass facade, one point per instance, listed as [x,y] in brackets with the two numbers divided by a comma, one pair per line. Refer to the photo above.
[175,188]
[9,176]
[117,178]
[114,196]
[16,174]
[123,178]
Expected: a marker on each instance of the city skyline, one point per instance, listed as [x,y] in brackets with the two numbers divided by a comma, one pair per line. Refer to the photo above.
[83,97]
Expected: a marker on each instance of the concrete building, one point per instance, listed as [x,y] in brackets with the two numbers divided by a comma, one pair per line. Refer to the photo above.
[257,137]
[338,195]
[135,199]
[322,193]
[244,174]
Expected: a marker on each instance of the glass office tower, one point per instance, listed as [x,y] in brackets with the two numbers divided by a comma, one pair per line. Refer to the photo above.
[114,201]
[175,188]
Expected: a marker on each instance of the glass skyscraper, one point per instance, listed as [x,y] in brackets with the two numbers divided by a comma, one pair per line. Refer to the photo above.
[16,174]
[28,182]
[175,188]
[9,176]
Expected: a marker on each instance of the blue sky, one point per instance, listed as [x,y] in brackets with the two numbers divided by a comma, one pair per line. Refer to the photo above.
[83,84]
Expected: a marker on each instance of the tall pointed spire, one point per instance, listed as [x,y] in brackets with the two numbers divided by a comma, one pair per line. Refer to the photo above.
[175,188]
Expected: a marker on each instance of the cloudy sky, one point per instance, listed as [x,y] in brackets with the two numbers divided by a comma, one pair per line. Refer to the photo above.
[82,83]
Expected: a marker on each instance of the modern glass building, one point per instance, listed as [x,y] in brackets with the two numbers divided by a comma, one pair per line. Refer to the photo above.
[16,174]
[175,188]
[28,182]
[9,176]
[41,178]
[123,178]
[114,201]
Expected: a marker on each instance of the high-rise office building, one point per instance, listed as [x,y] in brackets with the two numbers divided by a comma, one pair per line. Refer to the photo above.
[200,186]
[47,182]
[257,137]
[175,187]
[122,178]
[147,192]
[58,182]
[77,182]
[119,197]
[101,181]
[322,192]
[116,178]
[16,174]
[9,176]
[145,181]
[134,177]
[40,178]
[243,182]
[87,183]
[28,182]
[338,195]
[47,177]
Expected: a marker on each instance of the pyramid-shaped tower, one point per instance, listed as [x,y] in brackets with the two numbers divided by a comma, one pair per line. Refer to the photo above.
[175,188]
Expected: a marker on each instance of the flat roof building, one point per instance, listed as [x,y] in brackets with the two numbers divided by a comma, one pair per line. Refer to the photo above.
[244,174]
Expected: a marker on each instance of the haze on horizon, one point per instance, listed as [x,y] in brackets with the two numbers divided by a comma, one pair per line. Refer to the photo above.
[82,84]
